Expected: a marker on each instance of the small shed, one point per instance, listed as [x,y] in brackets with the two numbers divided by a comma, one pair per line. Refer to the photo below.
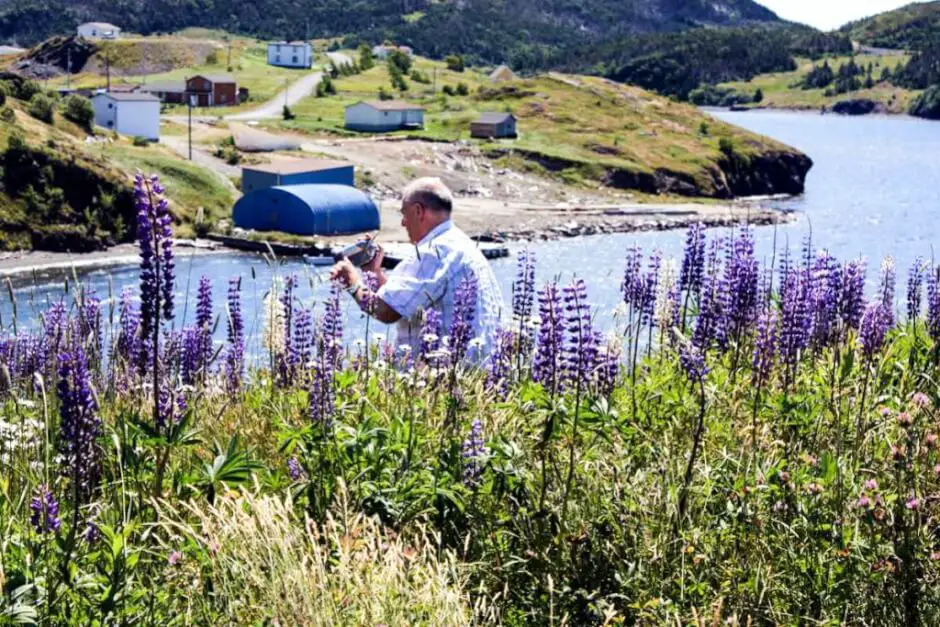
[494,126]
[502,74]
[382,116]
[307,210]
[135,114]
[300,172]
[99,30]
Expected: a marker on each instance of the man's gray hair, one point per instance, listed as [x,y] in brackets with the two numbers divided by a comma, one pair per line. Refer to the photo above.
[430,192]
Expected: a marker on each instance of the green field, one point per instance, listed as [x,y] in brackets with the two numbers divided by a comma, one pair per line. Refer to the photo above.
[782,90]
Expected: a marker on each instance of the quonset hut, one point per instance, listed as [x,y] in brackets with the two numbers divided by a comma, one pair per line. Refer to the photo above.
[307,210]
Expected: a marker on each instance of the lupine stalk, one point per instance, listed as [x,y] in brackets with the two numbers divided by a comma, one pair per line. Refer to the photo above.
[465,311]
[693,261]
[79,425]
[473,452]
[547,367]
[44,510]
[915,286]
[235,358]
[499,368]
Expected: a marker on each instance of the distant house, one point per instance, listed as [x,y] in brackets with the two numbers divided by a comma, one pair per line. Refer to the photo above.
[171,92]
[99,30]
[135,114]
[10,50]
[293,54]
[502,74]
[382,52]
[383,116]
[494,126]
[301,172]
[213,90]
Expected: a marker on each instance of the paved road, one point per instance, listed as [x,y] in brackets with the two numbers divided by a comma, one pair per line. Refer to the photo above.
[273,108]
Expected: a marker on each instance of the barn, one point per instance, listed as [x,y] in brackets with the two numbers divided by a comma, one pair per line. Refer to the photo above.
[383,116]
[299,172]
[307,210]
[494,126]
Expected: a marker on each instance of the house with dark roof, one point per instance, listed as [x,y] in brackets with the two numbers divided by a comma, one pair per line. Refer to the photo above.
[135,114]
[173,92]
[494,126]
[213,90]
[382,116]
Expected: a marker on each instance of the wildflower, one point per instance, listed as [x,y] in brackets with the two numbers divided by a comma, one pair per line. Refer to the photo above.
[295,470]
[795,321]
[905,419]
[912,503]
[193,353]
[430,335]
[915,282]
[523,288]
[931,440]
[128,346]
[328,358]
[473,452]
[174,558]
[235,358]
[764,347]
[546,368]
[875,324]
[633,286]
[741,279]
[499,367]
[864,502]
[92,534]
[284,370]
[825,294]
[933,304]
[852,302]
[302,343]
[693,362]
[814,488]
[920,400]
[580,349]
[693,261]
[871,484]
[155,240]
[45,511]
[204,318]
[886,290]
[885,412]
[666,306]
[779,507]
[79,424]
[465,311]
[607,366]
[936,470]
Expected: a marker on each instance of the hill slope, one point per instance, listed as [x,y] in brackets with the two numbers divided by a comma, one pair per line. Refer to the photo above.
[912,27]
[485,27]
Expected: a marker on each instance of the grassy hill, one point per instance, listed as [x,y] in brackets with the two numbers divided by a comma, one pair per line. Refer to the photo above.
[912,27]
[583,129]
[61,191]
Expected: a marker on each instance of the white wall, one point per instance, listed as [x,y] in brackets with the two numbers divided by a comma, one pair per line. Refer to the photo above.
[129,117]
[283,55]
[91,31]
[364,117]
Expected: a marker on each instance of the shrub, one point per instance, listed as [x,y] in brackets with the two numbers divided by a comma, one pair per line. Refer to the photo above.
[25,90]
[287,114]
[42,108]
[448,90]
[141,142]
[7,114]
[400,60]
[212,58]
[384,94]
[927,105]
[726,145]
[454,63]
[758,95]
[4,92]
[80,111]
[462,89]
[703,128]
[366,60]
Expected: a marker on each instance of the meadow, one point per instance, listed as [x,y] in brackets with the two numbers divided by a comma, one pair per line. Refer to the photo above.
[754,444]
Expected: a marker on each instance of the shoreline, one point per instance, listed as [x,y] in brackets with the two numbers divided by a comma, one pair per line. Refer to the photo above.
[815,111]
[522,223]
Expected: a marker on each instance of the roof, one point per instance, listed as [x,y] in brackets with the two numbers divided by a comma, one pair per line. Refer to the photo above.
[494,118]
[503,72]
[215,78]
[300,165]
[390,105]
[307,210]
[102,25]
[124,88]
[288,43]
[164,86]
[130,97]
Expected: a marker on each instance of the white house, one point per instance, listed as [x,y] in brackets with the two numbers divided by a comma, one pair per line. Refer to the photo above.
[382,52]
[136,114]
[383,116]
[99,30]
[292,54]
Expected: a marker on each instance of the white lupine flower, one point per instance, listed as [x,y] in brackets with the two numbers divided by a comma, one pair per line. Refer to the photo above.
[378,338]
[273,329]
[665,292]
[620,311]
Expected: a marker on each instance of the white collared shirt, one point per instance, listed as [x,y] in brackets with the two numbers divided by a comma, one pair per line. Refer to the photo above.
[429,279]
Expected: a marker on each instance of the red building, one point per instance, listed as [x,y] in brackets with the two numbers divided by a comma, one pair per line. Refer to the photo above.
[213,90]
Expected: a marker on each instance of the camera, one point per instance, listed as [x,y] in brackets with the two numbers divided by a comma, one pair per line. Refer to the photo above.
[359,253]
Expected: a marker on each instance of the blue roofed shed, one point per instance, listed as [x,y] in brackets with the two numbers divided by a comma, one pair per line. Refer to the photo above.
[297,172]
[307,210]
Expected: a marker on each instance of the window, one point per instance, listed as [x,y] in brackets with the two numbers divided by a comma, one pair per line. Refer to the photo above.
[110,123]
[295,59]
[110,105]
[278,60]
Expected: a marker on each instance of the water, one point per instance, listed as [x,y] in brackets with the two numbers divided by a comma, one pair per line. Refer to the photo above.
[872,192]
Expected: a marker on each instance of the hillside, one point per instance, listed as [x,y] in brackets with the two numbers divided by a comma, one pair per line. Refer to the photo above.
[61,191]
[912,27]
[585,130]
[491,30]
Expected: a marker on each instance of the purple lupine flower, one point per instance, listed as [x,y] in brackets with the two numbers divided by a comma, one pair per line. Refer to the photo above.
[784,269]
[523,288]
[547,366]
[431,328]
[886,289]
[302,342]
[89,325]
[764,347]
[710,327]
[54,331]
[327,362]
[204,319]
[692,361]
[285,374]
[607,368]
[825,292]
[650,285]
[79,424]
[579,355]
[128,347]
[332,329]
[235,358]
[295,470]
[465,311]
[193,350]
[693,261]
[875,324]
[915,283]
[155,240]
[933,304]
[852,302]
[473,452]
[795,320]
[739,285]
[499,367]
[632,286]
[92,534]
[45,511]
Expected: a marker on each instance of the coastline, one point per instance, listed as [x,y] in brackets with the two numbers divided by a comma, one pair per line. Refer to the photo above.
[814,111]
[486,220]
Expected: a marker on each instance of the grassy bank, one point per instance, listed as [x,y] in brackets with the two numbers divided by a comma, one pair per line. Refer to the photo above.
[746,451]
[783,90]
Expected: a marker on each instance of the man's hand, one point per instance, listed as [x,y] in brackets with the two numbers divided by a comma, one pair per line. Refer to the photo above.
[345,273]
[375,266]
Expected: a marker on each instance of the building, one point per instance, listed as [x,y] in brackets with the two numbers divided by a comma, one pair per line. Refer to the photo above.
[6,51]
[502,74]
[307,210]
[494,126]
[383,116]
[172,92]
[301,172]
[294,54]
[213,90]
[134,114]
[99,30]
[382,52]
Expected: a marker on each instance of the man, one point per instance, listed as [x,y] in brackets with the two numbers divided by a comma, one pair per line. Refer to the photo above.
[444,256]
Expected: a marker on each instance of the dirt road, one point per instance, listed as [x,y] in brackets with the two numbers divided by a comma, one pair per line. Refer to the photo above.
[273,108]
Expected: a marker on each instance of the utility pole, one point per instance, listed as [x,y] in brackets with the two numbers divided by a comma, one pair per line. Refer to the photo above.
[68,70]
[107,59]
[191,127]
[286,89]
[228,62]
